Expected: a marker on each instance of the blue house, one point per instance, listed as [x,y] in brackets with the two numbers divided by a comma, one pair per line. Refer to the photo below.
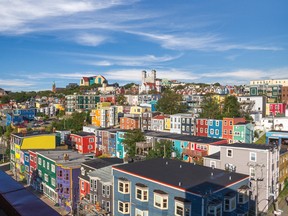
[27,166]
[171,187]
[277,137]
[214,128]
[18,116]
[120,151]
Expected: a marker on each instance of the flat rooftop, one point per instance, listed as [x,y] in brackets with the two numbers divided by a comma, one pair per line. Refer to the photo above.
[248,146]
[33,133]
[193,178]
[182,137]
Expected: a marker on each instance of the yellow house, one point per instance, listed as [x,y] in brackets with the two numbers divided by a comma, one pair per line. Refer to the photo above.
[59,107]
[28,141]
[219,98]
[100,105]
[139,110]
[167,123]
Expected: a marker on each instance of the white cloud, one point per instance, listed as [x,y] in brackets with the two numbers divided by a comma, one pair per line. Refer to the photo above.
[202,42]
[16,15]
[16,83]
[90,39]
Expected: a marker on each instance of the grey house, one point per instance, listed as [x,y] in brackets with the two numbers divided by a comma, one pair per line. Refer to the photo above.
[259,161]
[101,188]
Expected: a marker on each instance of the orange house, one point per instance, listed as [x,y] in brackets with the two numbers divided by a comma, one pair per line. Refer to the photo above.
[96,117]
[227,127]
[129,123]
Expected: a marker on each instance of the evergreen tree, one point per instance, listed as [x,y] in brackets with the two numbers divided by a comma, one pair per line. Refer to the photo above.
[231,107]
[210,108]
[131,137]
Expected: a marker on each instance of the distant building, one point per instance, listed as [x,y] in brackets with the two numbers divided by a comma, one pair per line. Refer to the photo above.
[88,81]
[283,82]
[150,82]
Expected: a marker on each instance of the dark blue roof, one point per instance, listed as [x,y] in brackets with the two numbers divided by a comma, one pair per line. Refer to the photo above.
[15,198]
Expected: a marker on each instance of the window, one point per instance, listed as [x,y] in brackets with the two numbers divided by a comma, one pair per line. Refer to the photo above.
[230,132]
[217,123]
[142,193]
[123,207]
[217,132]
[26,158]
[179,209]
[53,168]
[90,147]
[67,176]
[139,212]
[60,173]
[82,171]
[53,182]
[215,209]
[229,203]
[82,185]
[230,123]
[229,153]
[44,164]
[243,196]
[213,164]
[48,165]
[40,173]
[161,200]
[39,161]
[107,190]
[107,206]
[91,139]
[252,172]
[46,177]
[225,132]
[253,156]
[211,131]
[103,190]
[123,186]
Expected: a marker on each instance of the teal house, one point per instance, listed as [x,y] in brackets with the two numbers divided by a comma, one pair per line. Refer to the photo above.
[243,133]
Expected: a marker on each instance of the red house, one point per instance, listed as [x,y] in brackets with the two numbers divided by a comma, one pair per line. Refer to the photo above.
[83,142]
[108,98]
[227,131]
[277,109]
[33,161]
[198,147]
[202,127]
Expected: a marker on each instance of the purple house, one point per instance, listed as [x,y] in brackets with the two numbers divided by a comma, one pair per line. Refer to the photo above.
[67,182]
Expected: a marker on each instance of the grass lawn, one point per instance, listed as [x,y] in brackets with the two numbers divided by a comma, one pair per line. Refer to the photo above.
[262,140]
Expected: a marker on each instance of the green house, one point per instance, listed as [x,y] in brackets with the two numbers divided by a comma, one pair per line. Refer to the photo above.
[243,133]
[47,172]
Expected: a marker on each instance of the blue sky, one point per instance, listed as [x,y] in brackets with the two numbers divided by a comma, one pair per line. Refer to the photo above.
[224,41]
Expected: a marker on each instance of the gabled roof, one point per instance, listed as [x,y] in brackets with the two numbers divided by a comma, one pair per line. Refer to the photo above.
[98,163]
[181,175]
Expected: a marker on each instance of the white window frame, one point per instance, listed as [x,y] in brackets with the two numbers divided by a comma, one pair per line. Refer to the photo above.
[181,205]
[53,182]
[251,156]
[163,199]
[53,168]
[227,153]
[125,207]
[39,161]
[231,201]
[139,212]
[103,190]
[125,187]
[213,163]
[212,209]
[46,177]
[244,195]
[47,166]
[142,196]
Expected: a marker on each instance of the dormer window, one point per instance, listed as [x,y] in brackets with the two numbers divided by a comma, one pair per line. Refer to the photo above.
[123,186]
[141,191]
[229,202]
[215,208]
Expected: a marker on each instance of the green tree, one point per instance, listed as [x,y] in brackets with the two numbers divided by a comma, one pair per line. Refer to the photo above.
[121,99]
[162,149]
[211,108]
[231,107]
[5,99]
[131,137]
[128,85]
[171,103]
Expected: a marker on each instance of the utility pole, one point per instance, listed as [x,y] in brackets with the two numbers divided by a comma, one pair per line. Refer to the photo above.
[256,179]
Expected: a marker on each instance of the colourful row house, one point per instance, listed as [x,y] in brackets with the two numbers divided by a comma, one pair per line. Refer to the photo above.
[21,143]
[83,142]
[59,171]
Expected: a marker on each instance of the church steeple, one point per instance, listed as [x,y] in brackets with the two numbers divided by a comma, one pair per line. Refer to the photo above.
[54,87]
